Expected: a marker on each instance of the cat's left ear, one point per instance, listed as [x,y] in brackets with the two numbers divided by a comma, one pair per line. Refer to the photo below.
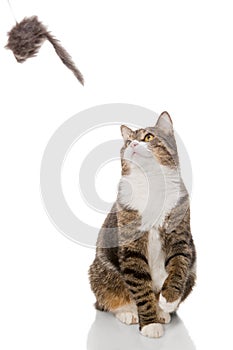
[125,132]
[165,123]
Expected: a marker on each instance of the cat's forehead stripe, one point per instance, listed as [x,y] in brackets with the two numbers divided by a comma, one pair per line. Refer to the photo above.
[140,132]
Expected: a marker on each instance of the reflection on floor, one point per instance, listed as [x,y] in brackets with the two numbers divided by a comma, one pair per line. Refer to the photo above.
[107,333]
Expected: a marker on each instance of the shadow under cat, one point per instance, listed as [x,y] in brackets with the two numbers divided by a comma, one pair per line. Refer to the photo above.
[107,333]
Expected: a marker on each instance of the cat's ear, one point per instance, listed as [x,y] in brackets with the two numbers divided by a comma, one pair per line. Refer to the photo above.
[125,132]
[165,123]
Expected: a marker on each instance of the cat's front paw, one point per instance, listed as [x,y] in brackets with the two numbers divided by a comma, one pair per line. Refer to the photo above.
[152,330]
[127,317]
[164,317]
[166,306]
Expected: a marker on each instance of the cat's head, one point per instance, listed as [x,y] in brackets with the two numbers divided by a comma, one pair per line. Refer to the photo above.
[152,144]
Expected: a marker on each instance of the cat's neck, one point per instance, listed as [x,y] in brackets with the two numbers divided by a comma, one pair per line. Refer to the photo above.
[153,191]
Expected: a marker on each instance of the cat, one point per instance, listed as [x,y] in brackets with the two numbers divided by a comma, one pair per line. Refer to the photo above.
[145,263]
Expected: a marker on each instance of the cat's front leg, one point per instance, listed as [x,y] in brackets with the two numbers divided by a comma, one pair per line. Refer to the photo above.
[177,267]
[135,271]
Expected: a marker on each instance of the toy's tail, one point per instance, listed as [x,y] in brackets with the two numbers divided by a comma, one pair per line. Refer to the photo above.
[65,57]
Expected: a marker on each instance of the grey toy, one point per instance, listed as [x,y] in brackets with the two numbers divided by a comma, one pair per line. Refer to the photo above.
[26,38]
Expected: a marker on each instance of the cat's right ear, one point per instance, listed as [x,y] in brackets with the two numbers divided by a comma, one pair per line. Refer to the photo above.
[125,132]
[164,123]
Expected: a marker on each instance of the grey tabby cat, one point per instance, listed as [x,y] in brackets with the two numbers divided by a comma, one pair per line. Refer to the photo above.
[145,257]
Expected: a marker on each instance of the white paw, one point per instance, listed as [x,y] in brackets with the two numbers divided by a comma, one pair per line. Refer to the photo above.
[168,307]
[127,317]
[152,330]
[165,316]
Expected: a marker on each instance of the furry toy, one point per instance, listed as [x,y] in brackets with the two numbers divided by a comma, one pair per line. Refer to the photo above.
[26,38]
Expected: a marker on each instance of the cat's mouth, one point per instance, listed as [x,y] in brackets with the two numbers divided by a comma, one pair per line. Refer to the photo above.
[141,151]
[137,153]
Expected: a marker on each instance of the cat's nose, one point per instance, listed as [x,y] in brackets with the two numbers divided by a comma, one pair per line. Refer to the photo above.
[134,144]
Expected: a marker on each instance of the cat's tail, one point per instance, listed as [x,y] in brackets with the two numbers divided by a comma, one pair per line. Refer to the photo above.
[65,57]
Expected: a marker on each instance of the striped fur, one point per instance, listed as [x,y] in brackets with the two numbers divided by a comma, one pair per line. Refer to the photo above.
[150,270]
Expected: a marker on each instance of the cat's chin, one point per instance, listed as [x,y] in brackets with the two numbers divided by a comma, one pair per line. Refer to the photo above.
[141,160]
[139,155]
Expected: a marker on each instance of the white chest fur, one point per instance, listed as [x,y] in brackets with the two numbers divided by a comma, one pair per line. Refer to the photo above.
[153,192]
[156,260]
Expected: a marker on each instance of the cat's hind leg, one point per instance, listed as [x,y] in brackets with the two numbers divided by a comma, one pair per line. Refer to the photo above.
[108,286]
[127,313]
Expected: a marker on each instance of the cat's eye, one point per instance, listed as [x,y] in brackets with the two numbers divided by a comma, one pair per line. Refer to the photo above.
[128,142]
[148,137]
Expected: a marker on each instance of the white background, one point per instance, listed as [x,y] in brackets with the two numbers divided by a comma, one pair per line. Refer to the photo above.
[173,55]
